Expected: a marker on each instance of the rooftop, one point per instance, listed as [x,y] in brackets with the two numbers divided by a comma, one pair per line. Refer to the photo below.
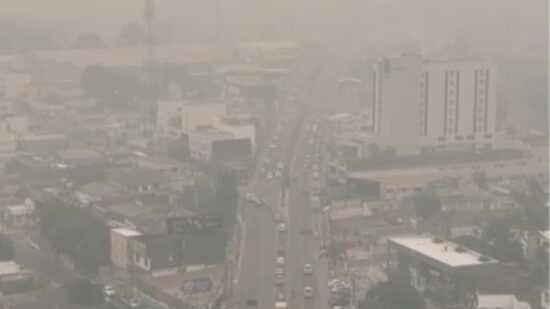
[440,250]
[127,232]
[9,268]
[434,159]
[505,301]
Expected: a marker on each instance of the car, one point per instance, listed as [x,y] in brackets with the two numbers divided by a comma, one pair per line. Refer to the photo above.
[280,271]
[269,175]
[132,302]
[251,302]
[279,280]
[282,227]
[308,292]
[109,292]
[280,165]
[315,198]
[280,261]
[278,173]
[272,146]
[308,269]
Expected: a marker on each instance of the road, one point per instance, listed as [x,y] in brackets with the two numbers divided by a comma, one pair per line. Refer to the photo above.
[261,238]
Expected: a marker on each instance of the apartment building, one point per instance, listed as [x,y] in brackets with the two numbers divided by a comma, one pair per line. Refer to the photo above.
[434,104]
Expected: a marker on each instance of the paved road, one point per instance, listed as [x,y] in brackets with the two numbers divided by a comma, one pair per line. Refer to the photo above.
[261,239]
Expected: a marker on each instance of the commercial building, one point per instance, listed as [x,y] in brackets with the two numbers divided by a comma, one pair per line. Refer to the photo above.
[432,265]
[394,177]
[120,247]
[433,104]
[176,117]
[14,278]
[210,144]
[502,301]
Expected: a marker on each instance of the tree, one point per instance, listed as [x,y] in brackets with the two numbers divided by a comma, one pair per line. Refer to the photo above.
[480,179]
[88,40]
[7,251]
[392,295]
[504,245]
[86,293]
[75,233]
[112,89]
[426,205]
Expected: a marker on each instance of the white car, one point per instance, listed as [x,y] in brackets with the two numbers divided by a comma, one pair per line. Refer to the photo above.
[109,291]
[308,269]
[282,227]
[278,173]
[279,280]
[280,261]
[308,292]
[269,175]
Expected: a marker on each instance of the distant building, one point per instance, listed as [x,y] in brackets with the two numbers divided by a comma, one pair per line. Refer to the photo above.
[434,104]
[14,278]
[20,215]
[209,144]
[431,263]
[120,247]
[176,117]
[395,177]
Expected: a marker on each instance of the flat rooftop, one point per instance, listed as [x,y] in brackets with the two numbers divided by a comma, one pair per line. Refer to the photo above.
[434,159]
[441,250]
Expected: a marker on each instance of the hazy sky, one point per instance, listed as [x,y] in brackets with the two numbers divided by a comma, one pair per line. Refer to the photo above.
[518,22]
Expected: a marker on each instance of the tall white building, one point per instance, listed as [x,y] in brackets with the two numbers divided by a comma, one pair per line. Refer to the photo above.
[396,83]
[433,104]
[458,102]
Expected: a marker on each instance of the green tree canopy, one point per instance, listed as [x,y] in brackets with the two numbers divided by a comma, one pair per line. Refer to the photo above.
[426,205]
[85,293]
[7,252]
[392,295]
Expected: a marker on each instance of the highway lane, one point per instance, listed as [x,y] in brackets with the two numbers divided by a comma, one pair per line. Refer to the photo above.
[257,265]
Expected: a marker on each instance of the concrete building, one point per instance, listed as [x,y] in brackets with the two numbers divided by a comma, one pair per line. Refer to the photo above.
[433,104]
[20,215]
[176,117]
[433,264]
[14,278]
[395,177]
[458,103]
[211,144]
[120,247]
[503,301]
[395,114]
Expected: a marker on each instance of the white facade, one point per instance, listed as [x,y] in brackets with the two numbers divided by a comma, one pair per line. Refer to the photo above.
[458,103]
[433,104]
[395,113]
[176,117]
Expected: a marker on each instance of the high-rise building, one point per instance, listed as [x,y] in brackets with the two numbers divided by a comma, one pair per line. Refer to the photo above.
[433,104]
[396,83]
[458,103]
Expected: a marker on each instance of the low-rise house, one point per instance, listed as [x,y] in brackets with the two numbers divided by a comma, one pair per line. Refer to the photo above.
[14,278]
[504,301]
[20,215]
